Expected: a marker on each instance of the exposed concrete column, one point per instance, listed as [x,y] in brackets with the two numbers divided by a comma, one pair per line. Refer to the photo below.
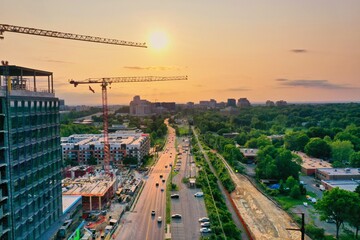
[100,203]
[52,84]
[48,84]
[34,82]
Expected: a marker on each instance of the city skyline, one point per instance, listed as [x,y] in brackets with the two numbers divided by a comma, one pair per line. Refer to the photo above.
[295,51]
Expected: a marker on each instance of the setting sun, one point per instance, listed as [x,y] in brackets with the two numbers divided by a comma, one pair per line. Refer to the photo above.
[158,40]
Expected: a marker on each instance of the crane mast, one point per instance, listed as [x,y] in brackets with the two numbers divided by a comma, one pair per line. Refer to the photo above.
[104,82]
[64,35]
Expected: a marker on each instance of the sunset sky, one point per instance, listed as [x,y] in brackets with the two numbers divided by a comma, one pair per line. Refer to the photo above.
[298,51]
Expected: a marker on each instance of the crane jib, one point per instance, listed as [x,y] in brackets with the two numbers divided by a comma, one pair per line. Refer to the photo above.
[64,35]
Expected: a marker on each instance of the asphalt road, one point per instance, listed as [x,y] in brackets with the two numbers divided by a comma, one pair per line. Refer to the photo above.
[190,207]
[139,224]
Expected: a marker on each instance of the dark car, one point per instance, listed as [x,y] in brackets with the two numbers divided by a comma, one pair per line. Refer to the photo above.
[178,216]
[174,196]
[152,213]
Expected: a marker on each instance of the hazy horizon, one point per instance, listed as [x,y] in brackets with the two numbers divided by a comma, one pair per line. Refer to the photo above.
[298,51]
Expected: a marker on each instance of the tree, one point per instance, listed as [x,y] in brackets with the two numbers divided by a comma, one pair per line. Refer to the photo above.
[337,204]
[355,160]
[296,141]
[276,164]
[341,151]
[317,147]
[291,182]
[354,219]
[319,132]
[286,165]
[357,190]
[241,138]
[259,142]
[295,192]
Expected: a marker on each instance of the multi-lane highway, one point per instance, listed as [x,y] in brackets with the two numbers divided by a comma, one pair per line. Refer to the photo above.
[190,207]
[139,223]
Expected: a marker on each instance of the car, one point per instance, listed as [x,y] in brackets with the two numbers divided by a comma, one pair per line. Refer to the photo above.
[205,230]
[163,180]
[157,184]
[162,189]
[205,224]
[199,194]
[204,219]
[152,213]
[175,195]
[159,220]
[165,166]
[176,216]
[161,175]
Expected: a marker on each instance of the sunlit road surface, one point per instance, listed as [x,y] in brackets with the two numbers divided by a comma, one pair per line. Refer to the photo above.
[139,224]
[190,207]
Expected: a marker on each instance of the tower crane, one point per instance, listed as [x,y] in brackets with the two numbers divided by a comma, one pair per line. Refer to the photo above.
[104,82]
[64,35]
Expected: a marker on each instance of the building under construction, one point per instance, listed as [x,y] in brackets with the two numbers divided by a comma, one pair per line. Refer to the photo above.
[96,192]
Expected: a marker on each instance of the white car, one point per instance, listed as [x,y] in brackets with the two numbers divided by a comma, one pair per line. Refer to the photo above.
[199,194]
[205,230]
[159,220]
[205,224]
[204,219]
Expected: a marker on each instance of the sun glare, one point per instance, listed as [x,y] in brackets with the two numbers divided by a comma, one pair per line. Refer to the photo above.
[158,40]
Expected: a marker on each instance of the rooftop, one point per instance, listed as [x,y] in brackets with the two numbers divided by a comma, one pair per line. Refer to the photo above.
[312,163]
[348,185]
[87,186]
[249,151]
[341,171]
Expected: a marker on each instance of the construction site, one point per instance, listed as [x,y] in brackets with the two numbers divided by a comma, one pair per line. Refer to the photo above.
[96,192]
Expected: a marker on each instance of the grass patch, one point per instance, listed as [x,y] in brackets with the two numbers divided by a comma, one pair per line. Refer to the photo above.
[168,200]
[183,131]
[288,202]
[149,161]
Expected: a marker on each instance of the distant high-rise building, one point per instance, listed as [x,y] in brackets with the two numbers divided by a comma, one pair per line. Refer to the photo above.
[161,107]
[212,103]
[220,104]
[270,103]
[30,154]
[61,104]
[281,103]
[139,107]
[190,105]
[243,102]
[231,102]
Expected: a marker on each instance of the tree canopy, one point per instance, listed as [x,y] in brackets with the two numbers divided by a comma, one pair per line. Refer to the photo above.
[318,148]
[337,204]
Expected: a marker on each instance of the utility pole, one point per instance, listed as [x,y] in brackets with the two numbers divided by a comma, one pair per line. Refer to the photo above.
[302,229]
